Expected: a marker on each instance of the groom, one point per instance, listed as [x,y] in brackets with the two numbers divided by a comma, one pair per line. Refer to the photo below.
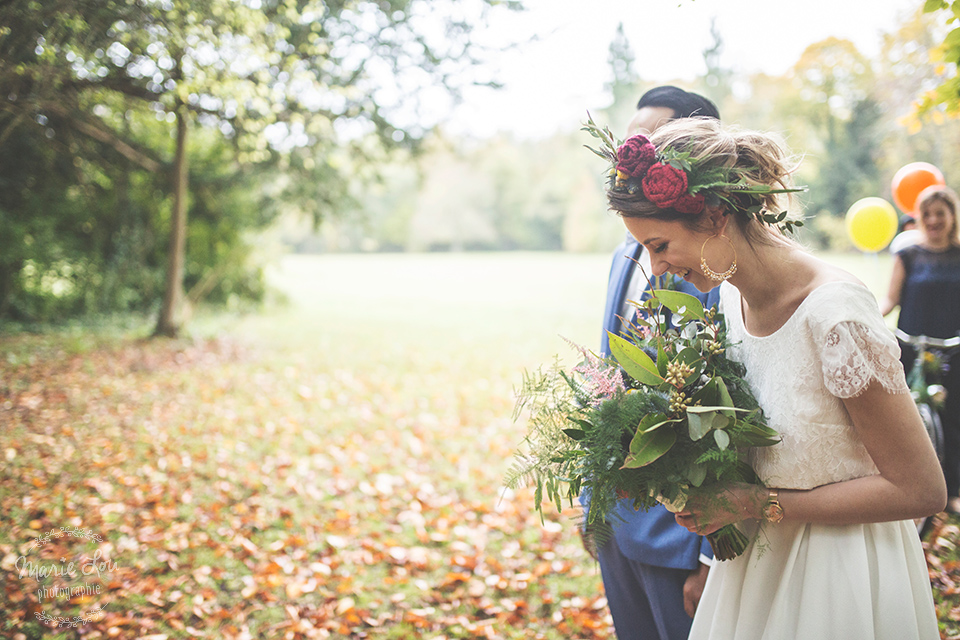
[653,569]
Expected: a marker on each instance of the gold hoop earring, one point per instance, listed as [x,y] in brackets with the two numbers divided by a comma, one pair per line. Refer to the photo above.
[710,273]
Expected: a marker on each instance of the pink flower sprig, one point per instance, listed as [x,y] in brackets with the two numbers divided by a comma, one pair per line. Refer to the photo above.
[601,382]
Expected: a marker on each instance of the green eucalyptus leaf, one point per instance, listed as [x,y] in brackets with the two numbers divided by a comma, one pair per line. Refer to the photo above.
[634,361]
[724,394]
[649,421]
[652,422]
[662,359]
[575,434]
[700,424]
[646,447]
[688,355]
[682,304]
[697,425]
[696,474]
[755,435]
[708,394]
[723,440]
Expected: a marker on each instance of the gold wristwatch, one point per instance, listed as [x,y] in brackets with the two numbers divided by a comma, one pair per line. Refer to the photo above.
[772,510]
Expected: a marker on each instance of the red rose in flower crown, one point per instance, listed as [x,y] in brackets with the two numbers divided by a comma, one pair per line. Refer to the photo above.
[663,185]
[688,204]
[635,156]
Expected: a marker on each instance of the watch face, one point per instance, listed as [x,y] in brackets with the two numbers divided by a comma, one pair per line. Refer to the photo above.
[773,512]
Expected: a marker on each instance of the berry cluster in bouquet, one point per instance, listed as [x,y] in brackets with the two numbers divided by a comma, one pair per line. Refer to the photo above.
[668,417]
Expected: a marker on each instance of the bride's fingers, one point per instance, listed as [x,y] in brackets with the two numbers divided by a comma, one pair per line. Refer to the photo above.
[688,521]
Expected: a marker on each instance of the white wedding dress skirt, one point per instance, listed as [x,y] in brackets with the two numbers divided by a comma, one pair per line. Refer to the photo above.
[819,582]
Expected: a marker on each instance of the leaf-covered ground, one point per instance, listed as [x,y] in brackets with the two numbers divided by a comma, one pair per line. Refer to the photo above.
[943,560]
[331,469]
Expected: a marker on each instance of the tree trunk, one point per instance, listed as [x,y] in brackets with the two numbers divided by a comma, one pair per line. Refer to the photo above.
[168,323]
[8,277]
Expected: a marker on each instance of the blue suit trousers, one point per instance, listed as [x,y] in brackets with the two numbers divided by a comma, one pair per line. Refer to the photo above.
[646,601]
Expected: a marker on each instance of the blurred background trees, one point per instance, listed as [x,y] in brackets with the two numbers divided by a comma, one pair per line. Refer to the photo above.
[120,118]
[852,120]
[150,151]
[942,92]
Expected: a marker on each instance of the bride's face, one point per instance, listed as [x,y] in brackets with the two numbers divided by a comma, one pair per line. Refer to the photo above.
[673,248]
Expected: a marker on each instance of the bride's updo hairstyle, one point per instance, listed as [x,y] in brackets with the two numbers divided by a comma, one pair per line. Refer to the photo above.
[748,157]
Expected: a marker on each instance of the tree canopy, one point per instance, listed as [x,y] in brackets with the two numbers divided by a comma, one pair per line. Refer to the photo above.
[314,88]
[946,93]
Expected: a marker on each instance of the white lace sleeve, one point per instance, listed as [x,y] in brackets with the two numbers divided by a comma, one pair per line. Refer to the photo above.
[854,355]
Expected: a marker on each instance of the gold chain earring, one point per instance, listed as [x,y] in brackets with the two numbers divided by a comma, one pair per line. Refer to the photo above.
[710,273]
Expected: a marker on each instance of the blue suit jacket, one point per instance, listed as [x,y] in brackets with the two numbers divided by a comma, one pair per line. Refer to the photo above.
[652,537]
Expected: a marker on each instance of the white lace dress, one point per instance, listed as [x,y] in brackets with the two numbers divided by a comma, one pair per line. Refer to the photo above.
[806,581]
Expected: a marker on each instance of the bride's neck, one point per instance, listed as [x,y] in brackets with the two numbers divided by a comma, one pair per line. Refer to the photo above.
[769,274]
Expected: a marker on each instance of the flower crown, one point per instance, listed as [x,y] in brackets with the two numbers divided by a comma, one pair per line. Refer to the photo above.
[671,179]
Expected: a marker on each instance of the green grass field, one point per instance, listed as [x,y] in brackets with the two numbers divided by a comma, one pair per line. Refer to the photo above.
[329,468]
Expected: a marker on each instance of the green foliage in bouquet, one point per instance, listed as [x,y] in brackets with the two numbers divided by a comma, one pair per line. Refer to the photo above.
[678,424]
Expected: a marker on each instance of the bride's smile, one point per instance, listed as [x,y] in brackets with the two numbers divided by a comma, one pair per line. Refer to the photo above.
[673,248]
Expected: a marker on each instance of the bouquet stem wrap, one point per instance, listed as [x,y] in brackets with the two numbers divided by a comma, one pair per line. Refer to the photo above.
[728,542]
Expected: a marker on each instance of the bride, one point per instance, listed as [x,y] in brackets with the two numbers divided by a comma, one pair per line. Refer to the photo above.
[834,553]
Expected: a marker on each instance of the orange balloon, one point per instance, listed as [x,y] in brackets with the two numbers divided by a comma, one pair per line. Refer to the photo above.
[909,181]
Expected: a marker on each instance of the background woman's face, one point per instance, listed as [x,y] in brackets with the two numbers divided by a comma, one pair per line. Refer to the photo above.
[937,221]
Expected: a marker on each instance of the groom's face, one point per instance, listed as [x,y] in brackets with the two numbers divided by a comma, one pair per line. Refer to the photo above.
[646,120]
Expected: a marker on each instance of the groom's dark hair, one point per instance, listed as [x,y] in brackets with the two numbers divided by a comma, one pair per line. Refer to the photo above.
[685,104]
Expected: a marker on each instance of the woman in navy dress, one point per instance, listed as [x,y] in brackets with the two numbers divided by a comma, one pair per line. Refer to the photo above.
[926,286]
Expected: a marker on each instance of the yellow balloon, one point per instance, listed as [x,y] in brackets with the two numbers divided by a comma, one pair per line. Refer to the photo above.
[871,223]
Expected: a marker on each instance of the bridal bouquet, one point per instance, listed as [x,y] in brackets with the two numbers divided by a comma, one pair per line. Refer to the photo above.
[676,425]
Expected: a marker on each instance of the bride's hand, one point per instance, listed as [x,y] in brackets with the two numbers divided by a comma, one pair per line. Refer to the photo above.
[703,515]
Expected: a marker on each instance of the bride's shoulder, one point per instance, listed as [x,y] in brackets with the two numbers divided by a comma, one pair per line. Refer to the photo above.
[814,280]
[826,273]
[842,299]
[832,294]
